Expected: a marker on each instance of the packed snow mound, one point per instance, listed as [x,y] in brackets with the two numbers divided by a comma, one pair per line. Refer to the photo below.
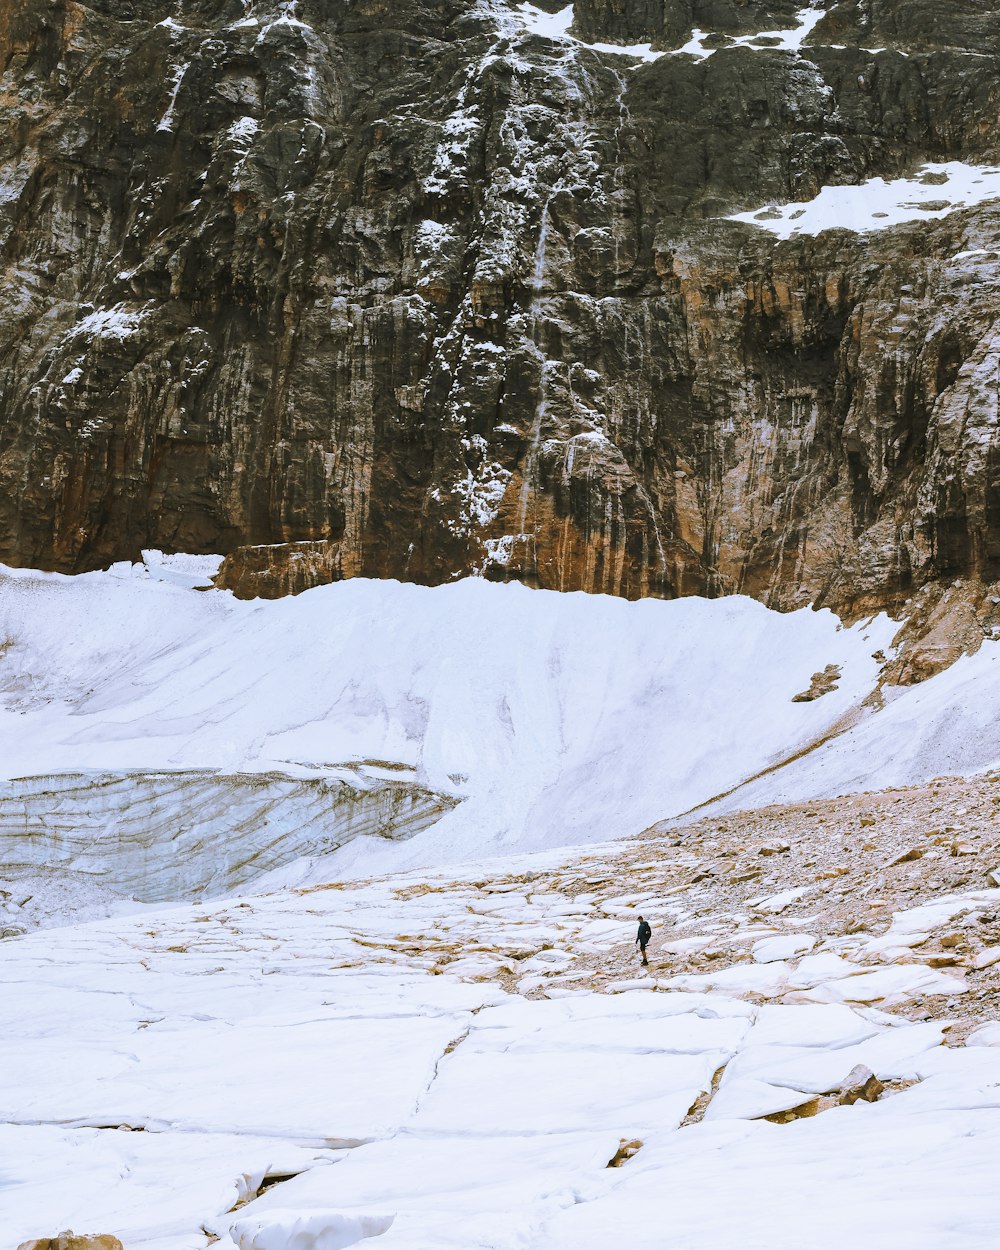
[552,719]
[499,718]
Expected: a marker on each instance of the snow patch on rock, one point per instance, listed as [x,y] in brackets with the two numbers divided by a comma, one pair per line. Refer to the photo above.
[936,190]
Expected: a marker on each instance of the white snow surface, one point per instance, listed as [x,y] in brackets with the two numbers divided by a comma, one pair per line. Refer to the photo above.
[243,129]
[117,323]
[550,25]
[787,40]
[552,719]
[556,26]
[947,725]
[936,190]
[339,1037]
[556,719]
[541,720]
[371,1040]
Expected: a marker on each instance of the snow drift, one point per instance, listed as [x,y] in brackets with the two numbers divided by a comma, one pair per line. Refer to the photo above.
[547,719]
[499,718]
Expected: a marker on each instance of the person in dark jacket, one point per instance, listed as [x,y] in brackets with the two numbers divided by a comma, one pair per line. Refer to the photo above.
[642,938]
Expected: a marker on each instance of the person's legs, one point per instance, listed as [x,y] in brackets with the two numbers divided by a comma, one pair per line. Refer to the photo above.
[642,950]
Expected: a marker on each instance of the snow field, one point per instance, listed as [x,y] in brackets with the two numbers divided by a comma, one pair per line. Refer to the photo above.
[139,714]
[373,1041]
[338,1036]
[873,1176]
[556,26]
[934,191]
[947,725]
[555,719]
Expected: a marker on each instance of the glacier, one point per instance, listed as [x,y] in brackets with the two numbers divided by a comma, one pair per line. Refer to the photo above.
[362,872]
[172,739]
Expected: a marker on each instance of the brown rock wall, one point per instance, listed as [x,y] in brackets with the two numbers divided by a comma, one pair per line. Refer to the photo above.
[416,293]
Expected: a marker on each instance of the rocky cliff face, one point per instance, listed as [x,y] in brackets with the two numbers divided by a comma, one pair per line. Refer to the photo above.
[410,290]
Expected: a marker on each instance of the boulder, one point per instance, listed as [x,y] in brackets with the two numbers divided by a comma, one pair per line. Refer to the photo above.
[860,1085]
[73,1241]
[822,683]
[626,1149]
[907,857]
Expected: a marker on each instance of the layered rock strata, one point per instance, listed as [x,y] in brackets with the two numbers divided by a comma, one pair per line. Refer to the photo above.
[416,291]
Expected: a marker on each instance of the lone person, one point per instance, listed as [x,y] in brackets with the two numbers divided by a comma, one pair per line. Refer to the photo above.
[642,937]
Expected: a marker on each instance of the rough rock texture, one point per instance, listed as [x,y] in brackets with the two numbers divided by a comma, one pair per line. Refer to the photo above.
[67,1241]
[849,851]
[943,623]
[409,291]
[668,23]
[272,570]
[822,683]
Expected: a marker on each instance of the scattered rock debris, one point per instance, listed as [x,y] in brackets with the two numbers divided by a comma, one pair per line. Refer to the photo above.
[69,1241]
[821,684]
